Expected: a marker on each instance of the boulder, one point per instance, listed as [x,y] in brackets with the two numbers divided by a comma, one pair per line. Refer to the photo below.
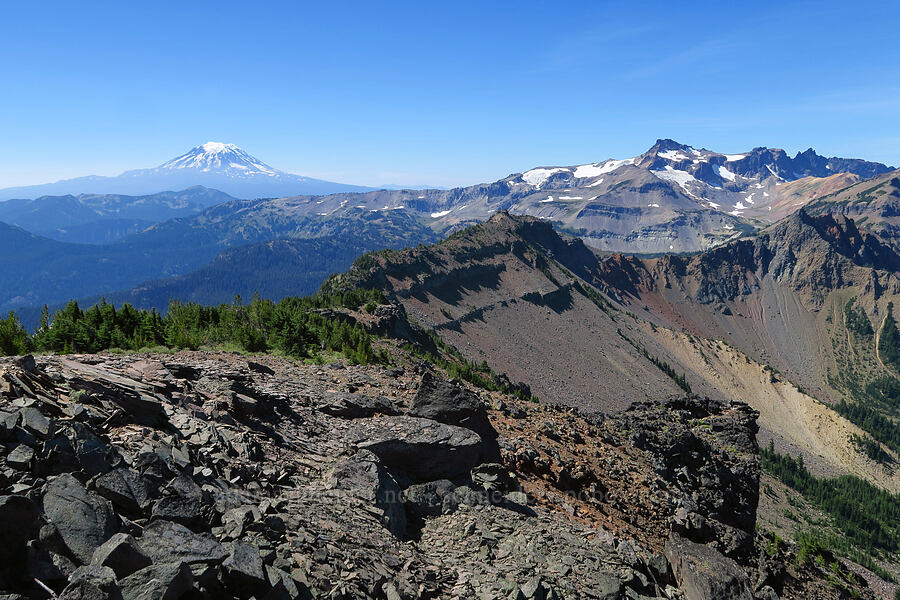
[92,583]
[355,406]
[415,450]
[429,499]
[451,404]
[122,554]
[363,476]
[168,542]
[19,523]
[284,587]
[34,422]
[243,572]
[84,520]
[125,488]
[182,504]
[704,573]
[20,458]
[165,581]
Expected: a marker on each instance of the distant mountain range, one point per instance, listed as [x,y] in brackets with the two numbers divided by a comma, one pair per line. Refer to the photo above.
[672,198]
[215,165]
[103,218]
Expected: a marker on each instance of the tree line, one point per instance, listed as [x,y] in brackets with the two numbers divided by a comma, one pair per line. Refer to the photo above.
[295,326]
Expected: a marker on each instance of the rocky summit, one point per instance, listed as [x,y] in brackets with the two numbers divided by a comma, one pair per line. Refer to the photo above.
[208,475]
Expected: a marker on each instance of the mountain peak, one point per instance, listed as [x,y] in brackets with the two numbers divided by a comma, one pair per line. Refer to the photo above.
[216,147]
[220,157]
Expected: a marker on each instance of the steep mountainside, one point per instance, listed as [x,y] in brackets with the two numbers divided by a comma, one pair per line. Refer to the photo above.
[103,218]
[514,293]
[213,164]
[671,198]
[874,205]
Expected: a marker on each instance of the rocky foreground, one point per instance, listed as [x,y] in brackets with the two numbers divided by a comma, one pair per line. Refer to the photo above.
[200,475]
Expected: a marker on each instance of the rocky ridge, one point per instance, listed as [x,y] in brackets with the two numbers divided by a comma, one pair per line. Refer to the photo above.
[208,475]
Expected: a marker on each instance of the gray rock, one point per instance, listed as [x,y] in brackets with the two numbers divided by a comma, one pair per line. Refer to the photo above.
[237,520]
[126,489]
[168,542]
[19,522]
[355,406]
[451,404]
[20,458]
[84,521]
[704,573]
[243,572]
[122,554]
[34,422]
[284,587]
[607,587]
[92,583]
[165,581]
[418,450]
[427,499]
[363,476]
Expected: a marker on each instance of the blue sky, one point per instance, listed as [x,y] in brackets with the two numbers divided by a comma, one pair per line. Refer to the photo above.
[438,93]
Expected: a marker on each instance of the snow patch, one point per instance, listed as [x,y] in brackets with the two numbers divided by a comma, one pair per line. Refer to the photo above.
[537,177]
[734,157]
[653,205]
[714,205]
[571,197]
[672,155]
[596,183]
[724,173]
[670,174]
[593,170]
[549,199]
[438,215]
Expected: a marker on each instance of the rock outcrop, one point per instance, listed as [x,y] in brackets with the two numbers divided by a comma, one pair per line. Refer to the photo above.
[359,482]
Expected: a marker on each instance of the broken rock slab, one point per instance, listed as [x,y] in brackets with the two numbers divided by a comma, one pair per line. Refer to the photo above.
[416,450]
[84,520]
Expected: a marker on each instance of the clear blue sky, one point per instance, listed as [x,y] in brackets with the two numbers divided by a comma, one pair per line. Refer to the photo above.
[438,93]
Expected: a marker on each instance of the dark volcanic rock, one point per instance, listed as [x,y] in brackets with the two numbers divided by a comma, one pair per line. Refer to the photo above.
[164,541]
[19,522]
[445,402]
[92,583]
[356,406]
[704,574]
[417,450]
[122,554]
[126,488]
[243,571]
[84,521]
[164,581]
[707,451]
[364,477]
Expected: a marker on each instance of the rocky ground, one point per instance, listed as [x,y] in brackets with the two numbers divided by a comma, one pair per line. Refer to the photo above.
[211,475]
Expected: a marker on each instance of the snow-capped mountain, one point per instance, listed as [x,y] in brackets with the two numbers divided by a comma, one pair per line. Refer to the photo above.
[215,165]
[221,158]
[672,198]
